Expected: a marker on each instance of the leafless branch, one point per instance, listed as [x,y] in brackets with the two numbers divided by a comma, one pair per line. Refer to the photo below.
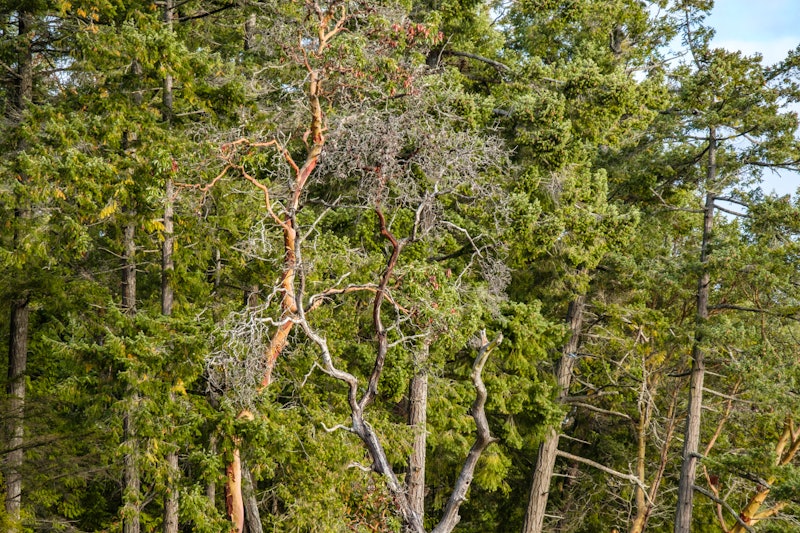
[630,477]
[727,507]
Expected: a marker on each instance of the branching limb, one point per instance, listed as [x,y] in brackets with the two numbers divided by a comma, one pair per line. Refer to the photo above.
[483,438]
[380,330]
[629,477]
[337,427]
[724,504]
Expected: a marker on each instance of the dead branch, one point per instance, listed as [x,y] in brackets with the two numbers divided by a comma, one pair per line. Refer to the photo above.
[483,438]
[630,477]
[724,504]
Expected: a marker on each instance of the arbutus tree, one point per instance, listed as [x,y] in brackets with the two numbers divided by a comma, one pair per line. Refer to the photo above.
[397,163]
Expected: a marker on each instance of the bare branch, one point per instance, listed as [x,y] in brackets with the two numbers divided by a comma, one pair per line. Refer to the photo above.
[630,477]
[590,407]
[727,507]
[337,427]
[450,517]
[491,62]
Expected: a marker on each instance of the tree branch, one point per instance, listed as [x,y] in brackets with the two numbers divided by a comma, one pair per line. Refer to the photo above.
[450,517]
[723,503]
[630,477]
[491,62]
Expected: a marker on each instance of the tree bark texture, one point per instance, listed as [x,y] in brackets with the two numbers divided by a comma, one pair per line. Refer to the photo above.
[211,486]
[129,268]
[132,496]
[234,502]
[167,262]
[19,308]
[252,516]
[171,499]
[130,520]
[691,442]
[417,419]
[17,362]
[546,459]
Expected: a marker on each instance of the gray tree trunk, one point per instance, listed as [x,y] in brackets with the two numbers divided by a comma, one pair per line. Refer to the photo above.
[17,362]
[252,516]
[546,459]
[417,419]
[211,487]
[132,496]
[691,441]
[20,311]
[171,499]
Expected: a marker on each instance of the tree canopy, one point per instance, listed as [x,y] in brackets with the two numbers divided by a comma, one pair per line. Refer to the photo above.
[338,265]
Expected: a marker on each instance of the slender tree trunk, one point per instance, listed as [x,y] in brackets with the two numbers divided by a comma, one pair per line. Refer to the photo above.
[691,442]
[132,496]
[234,502]
[171,499]
[417,419]
[167,267]
[17,361]
[211,487]
[234,497]
[546,459]
[250,32]
[24,78]
[645,412]
[130,521]
[20,311]
[252,516]
[129,267]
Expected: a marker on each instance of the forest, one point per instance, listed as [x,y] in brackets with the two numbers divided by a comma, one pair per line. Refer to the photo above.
[395,265]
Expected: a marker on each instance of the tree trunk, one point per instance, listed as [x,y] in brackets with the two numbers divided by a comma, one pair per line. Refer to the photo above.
[17,361]
[171,499]
[167,267]
[234,503]
[546,459]
[417,419]
[130,520]
[645,412]
[252,515]
[691,442]
[20,311]
[250,32]
[130,523]
[234,497]
[211,487]
[129,267]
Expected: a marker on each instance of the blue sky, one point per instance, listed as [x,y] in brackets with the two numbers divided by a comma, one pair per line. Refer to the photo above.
[770,27]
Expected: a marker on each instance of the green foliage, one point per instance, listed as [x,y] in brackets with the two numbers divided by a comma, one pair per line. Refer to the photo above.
[521,154]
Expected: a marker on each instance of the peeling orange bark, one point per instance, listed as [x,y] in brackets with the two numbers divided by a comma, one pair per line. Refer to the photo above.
[750,515]
[234,503]
[234,498]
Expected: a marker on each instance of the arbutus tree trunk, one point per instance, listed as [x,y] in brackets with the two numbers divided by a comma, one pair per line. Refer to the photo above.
[548,450]
[234,501]
[691,442]
[288,227]
[234,497]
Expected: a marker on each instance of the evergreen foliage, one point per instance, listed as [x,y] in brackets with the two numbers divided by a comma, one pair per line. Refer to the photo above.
[359,201]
